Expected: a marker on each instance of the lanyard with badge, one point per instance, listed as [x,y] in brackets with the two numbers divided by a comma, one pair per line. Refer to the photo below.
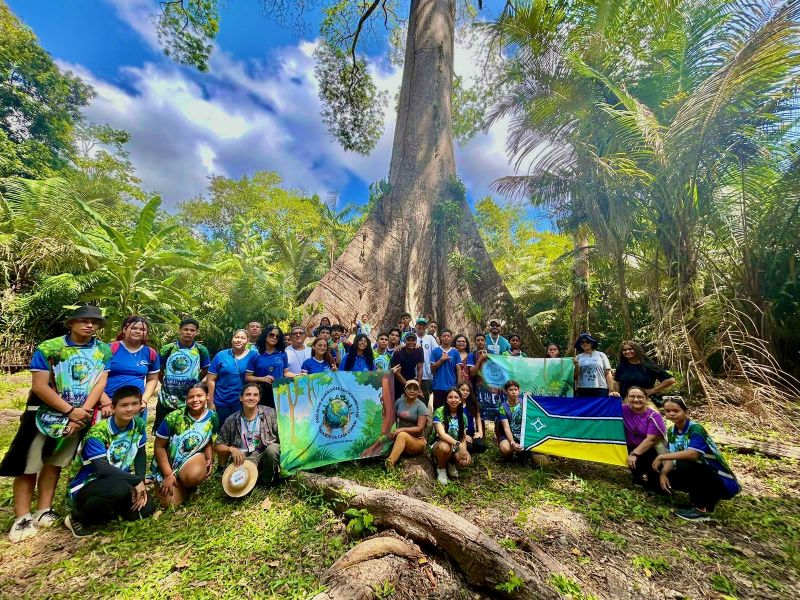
[249,429]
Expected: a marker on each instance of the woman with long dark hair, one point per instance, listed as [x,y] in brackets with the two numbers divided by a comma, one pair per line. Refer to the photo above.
[476,442]
[359,355]
[636,369]
[449,447]
[269,364]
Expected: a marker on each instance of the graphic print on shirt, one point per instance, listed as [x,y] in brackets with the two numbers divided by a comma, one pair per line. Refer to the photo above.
[181,371]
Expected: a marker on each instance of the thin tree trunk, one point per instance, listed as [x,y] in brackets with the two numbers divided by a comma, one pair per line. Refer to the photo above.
[627,325]
[398,259]
[580,284]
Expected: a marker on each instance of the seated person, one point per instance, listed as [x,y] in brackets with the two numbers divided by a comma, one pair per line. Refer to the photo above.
[110,482]
[508,424]
[251,434]
[412,417]
[449,447]
[476,443]
[694,465]
[182,456]
[644,430]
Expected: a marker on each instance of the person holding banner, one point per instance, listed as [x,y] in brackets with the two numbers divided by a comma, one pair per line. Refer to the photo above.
[476,442]
[694,465]
[553,351]
[515,340]
[508,425]
[252,434]
[449,447]
[182,453]
[359,355]
[592,370]
[645,436]
[321,358]
[269,364]
[412,417]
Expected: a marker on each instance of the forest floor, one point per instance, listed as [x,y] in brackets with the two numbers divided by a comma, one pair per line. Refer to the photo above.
[607,539]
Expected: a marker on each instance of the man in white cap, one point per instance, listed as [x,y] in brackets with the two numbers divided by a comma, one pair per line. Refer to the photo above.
[496,343]
[427,342]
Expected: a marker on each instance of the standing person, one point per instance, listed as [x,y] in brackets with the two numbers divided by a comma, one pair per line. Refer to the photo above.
[593,371]
[412,416]
[427,342]
[321,359]
[694,465]
[134,363]
[496,343]
[476,442]
[269,364]
[445,361]
[449,447]
[226,376]
[394,340]
[361,326]
[359,355]
[515,341]
[251,435]
[68,375]
[184,362]
[323,322]
[433,329]
[645,431]
[407,364]
[508,426]
[553,351]
[478,358]
[338,343]
[298,352]
[404,325]
[182,453]
[461,343]
[254,329]
[382,355]
[110,481]
[636,369]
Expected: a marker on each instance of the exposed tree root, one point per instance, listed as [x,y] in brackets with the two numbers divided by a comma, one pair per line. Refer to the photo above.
[484,563]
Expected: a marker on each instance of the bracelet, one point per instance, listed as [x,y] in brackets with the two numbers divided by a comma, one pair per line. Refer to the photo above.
[66,414]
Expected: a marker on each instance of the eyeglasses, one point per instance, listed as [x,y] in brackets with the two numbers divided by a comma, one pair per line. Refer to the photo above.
[272,335]
[298,333]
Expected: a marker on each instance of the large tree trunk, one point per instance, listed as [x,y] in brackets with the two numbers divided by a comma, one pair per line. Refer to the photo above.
[400,258]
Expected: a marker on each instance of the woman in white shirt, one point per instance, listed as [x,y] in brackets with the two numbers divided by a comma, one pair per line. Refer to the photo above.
[592,369]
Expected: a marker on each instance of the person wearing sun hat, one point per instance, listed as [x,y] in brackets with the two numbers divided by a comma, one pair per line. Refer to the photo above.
[592,369]
[249,438]
[68,375]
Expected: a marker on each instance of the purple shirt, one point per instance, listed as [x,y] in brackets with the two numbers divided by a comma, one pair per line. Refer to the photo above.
[639,426]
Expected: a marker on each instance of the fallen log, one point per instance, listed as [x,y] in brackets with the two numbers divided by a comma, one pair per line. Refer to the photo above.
[745,446]
[484,562]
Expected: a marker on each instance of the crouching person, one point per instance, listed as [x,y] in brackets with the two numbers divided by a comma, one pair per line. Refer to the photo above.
[508,424]
[110,482]
[182,456]
[450,438]
[249,438]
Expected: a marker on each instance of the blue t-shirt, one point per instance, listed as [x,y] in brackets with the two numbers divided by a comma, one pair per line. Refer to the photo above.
[497,347]
[265,364]
[230,373]
[359,364]
[131,368]
[312,366]
[445,376]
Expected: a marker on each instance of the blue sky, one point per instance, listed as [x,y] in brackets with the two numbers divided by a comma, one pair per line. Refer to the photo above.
[256,109]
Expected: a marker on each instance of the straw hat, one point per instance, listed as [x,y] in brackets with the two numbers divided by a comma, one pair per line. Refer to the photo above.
[238,481]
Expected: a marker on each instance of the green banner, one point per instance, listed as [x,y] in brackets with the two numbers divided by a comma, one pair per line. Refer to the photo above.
[333,417]
[539,376]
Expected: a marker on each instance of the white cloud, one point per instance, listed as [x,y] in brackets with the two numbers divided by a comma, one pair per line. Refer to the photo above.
[244,116]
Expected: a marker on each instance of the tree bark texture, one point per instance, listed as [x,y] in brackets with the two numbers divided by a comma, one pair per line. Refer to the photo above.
[580,284]
[419,250]
[483,561]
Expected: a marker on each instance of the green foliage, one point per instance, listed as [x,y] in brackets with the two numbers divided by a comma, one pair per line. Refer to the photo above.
[359,522]
[569,587]
[650,565]
[383,591]
[465,266]
[39,105]
[186,28]
[724,586]
[352,106]
[514,583]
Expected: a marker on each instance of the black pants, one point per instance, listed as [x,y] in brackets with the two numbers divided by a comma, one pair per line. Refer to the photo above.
[161,413]
[701,482]
[267,397]
[643,473]
[103,499]
[591,392]
[476,446]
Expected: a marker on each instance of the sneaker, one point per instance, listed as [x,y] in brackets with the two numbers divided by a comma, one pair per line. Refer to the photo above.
[441,476]
[693,514]
[22,529]
[78,529]
[47,519]
[452,472]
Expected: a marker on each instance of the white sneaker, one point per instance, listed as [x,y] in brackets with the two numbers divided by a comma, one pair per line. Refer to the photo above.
[47,519]
[452,472]
[22,529]
[441,476]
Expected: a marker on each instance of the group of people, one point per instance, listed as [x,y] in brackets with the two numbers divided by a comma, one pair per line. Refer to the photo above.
[90,399]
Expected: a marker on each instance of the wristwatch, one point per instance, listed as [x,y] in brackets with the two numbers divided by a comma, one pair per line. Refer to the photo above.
[456,447]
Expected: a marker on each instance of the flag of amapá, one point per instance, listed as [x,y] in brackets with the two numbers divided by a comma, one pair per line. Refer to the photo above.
[541,376]
[333,417]
[582,428]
